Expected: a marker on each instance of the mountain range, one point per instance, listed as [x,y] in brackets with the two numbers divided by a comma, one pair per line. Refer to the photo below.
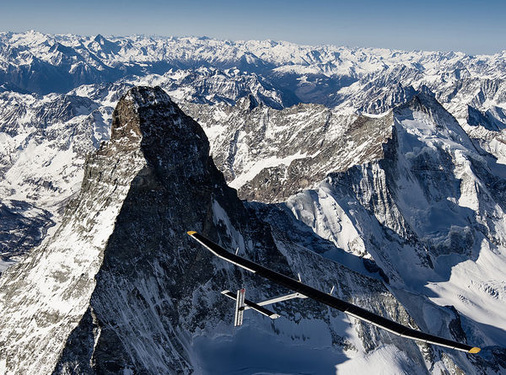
[379,172]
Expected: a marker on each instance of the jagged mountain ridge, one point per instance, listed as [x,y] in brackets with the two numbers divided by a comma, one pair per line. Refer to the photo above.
[119,287]
[202,70]
[268,155]
[279,73]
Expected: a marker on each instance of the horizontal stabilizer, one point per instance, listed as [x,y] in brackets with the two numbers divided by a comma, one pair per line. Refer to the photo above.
[251,305]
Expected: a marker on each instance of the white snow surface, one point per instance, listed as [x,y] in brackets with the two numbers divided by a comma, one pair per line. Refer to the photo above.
[252,169]
[477,289]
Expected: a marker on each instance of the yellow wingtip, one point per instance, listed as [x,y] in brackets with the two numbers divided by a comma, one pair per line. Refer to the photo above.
[191,232]
[474,350]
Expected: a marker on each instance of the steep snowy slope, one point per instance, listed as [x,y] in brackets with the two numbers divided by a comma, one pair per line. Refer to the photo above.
[420,199]
[429,212]
[44,141]
[120,288]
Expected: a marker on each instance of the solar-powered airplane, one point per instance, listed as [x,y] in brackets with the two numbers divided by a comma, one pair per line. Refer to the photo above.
[305,291]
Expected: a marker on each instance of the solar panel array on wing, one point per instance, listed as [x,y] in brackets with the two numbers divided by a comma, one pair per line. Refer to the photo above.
[329,300]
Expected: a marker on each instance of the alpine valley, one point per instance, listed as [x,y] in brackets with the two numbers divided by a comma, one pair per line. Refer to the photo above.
[377,174]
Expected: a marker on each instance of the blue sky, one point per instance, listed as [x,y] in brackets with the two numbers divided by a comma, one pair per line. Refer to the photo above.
[470,26]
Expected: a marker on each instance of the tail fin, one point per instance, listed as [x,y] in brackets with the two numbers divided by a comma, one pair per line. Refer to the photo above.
[239,307]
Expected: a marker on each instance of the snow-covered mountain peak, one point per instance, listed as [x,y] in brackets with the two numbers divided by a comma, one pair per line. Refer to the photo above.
[424,116]
[126,184]
[148,120]
[144,97]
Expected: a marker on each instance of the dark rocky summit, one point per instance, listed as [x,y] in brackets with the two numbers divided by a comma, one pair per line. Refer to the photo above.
[141,305]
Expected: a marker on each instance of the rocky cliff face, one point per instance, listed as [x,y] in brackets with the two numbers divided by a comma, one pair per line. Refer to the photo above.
[119,288]
[148,264]
[268,154]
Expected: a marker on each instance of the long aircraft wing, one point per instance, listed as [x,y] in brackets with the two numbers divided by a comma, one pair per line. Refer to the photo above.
[327,299]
